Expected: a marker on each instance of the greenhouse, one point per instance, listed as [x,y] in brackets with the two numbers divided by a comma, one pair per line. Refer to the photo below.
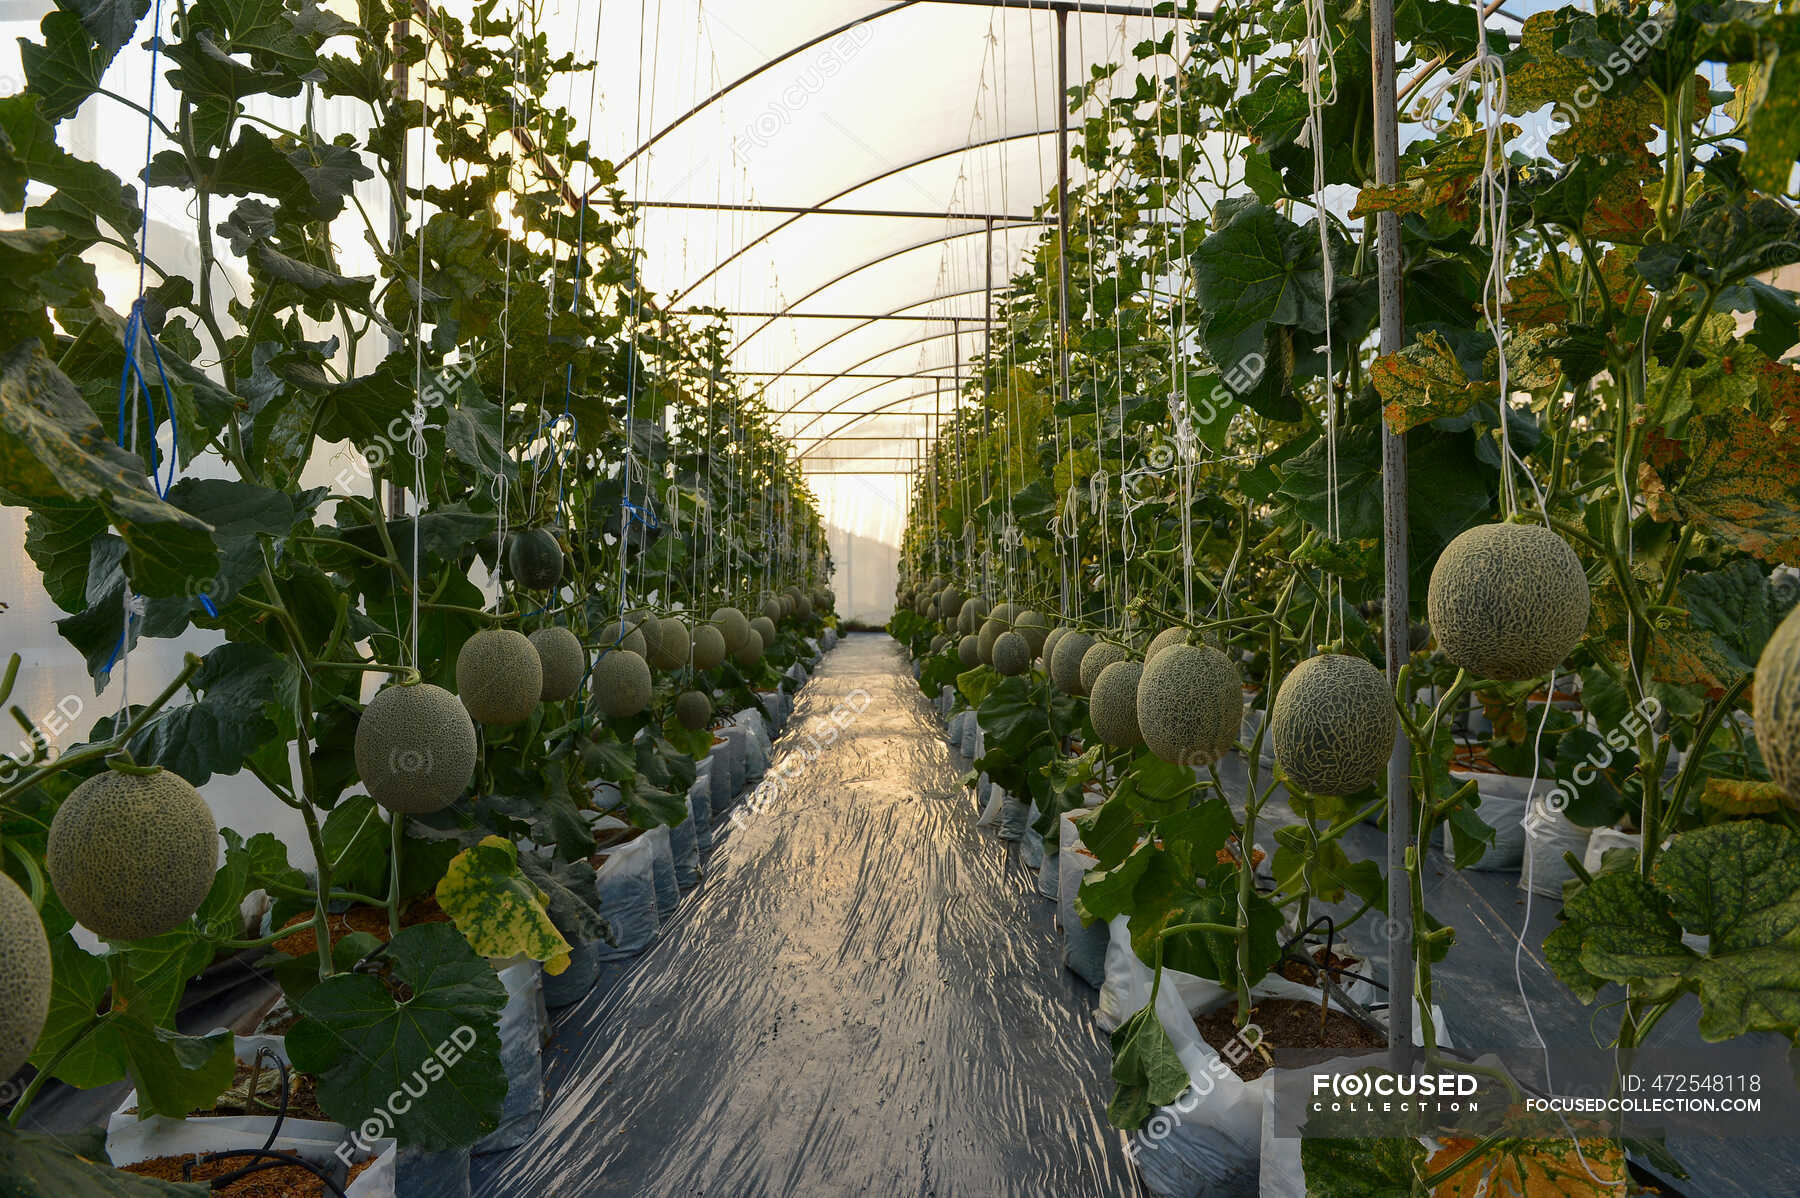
[1159,598]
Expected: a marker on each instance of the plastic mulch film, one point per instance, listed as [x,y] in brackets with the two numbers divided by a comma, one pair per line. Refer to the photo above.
[866,997]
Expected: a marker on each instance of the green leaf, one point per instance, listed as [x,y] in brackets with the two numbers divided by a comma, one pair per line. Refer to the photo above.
[68,1164]
[356,840]
[175,1074]
[434,1007]
[29,148]
[495,905]
[1367,1168]
[1146,1071]
[80,40]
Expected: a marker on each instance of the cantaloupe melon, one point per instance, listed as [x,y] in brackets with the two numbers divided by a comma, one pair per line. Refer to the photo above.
[535,559]
[671,652]
[499,677]
[1508,601]
[949,603]
[1012,655]
[1168,636]
[621,637]
[563,661]
[751,651]
[735,625]
[968,651]
[24,977]
[1333,724]
[974,610]
[709,647]
[1112,704]
[1034,626]
[765,628]
[1048,652]
[984,640]
[694,709]
[1778,706]
[1099,655]
[622,685]
[1065,661]
[646,625]
[772,608]
[1190,704]
[415,748]
[133,855]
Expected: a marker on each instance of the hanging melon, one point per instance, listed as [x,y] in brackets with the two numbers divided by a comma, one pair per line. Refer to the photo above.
[1034,626]
[1333,724]
[1190,705]
[1508,601]
[1065,664]
[709,647]
[563,661]
[1112,704]
[991,629]
[734,626]
[1048,652]
[1099,655]
[24,977]
[1012,655]
[1778,706]
[751,651]
[499,677]
[622,637]
[968,619]
[415,748]
[694,709]
[622,685]
[671,652]
[968,651]
[535,559]
[1168,636]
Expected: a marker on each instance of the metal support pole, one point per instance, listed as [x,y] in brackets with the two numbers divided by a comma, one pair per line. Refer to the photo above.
[1062,243]
[1396,602]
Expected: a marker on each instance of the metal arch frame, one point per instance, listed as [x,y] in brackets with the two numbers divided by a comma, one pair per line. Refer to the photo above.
[833,340]
[825,438]
[833,409]
[890,350]
[856,187]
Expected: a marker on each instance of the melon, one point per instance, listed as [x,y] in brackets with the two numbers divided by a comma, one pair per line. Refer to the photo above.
[1112,704]
[671,652]
[24,977]
[1065,661]
[132,855]
[772,609]
[1162,640]
[1099,655]
[621,684]
[563,660]
[623,638]
[1005,612]
[1034,626]
[939,643]
[415,748]
[968,651]
[1012,655]
[736,628]
[765,628]
[709,647]
[646,625]
[694,709]
[949,603]
[1333,724]
[984,640]
[1190,704]
[803,607]
[535,559]
[974,611]
[1048,652]
[751,651]
[499,676]
[1778,706]
[1508,601]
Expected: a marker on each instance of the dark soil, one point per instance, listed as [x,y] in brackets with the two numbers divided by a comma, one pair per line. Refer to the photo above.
[303,1098]
[282,1181]
[1291,1034]
[373,920]
[1294,971]
[607,838]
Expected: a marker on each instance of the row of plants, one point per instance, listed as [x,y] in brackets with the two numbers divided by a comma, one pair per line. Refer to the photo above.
[568,538]
[1598,399]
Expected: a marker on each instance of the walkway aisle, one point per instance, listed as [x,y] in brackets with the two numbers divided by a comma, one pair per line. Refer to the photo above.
[864,998]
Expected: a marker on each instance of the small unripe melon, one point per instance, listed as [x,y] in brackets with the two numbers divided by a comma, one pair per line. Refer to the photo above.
[1190,704]
[1778,706]
[694,709]
[1065,662]
[1012,654]
[671,652]
[415,748]
[1508,601]
[24,977]
[751,651]
[968,651]
[621,684]
[623,638]
[499,676]
[984,640]
[1099,655]
[1333,724]
[1048,652]
[646,625]
[772,608]
[133,855]
[732,623]
[1112,704]
[1034,626]
[765,627]
[1168,636]
[709,647]
[535,559]
[563,659]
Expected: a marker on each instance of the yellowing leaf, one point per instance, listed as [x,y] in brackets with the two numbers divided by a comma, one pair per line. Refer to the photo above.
[498,909]
[1742,796]
[1425,382]
[1533,1168]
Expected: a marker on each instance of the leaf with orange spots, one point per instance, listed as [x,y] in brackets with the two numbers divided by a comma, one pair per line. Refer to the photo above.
[1533,1168]
[1443,182]
[1538,297]
[1735,474]
[1425,382]
[1742,796]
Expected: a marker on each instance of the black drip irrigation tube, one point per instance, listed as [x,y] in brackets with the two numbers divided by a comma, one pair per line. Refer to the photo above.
[266,1157]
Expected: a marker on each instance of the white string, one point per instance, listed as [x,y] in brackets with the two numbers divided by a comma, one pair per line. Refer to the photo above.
[1318,48]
